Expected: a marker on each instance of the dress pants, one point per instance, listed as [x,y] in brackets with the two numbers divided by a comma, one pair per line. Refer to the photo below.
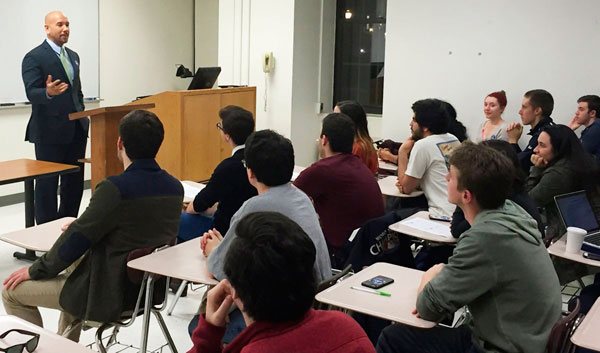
[71,184]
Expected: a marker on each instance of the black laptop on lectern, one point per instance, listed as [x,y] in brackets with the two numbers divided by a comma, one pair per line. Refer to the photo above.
[205,77]
[576,211]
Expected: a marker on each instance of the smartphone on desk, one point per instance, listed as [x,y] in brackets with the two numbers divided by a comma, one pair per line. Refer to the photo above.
[440,218]
[378,282]
[591,256]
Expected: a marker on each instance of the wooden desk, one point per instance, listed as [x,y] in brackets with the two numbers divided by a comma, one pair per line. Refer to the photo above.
[388,188]
[27,170]
[398,307]
[49,341]
[559,249]
[191,189]
[38,238]
[421,233]
[586,335]
[183,261]
[387,166]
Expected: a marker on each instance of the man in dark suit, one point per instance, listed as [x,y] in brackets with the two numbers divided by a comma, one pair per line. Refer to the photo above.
[51,77]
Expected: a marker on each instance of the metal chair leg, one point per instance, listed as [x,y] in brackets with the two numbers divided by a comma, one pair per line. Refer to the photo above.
[98,338]
[147,309]
[182,286]
[165,330]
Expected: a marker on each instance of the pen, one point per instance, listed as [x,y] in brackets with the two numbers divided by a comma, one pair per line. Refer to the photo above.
[371,291]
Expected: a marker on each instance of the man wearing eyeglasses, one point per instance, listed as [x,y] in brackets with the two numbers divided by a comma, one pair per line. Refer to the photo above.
[228,187]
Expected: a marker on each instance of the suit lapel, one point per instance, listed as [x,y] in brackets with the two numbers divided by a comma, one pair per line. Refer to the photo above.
[51,55]
[74,63]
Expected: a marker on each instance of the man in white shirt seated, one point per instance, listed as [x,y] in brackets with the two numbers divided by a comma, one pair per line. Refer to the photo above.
[423,157]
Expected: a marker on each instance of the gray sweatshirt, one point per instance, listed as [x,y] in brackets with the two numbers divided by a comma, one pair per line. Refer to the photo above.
[502,272]
[292,203]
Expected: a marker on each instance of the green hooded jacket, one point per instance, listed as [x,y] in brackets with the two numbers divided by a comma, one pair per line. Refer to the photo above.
[502,272]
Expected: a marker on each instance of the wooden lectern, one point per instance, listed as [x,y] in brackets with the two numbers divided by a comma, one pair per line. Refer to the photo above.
[192,147]
[104,127]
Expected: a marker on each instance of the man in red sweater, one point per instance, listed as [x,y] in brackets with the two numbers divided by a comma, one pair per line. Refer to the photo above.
[271,280]
[342,188]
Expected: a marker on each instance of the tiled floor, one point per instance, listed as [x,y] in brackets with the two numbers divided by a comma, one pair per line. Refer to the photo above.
[13,218]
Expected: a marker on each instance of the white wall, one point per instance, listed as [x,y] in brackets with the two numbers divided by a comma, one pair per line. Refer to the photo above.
[523,45]
[140,43]
[206,29]
[301,40]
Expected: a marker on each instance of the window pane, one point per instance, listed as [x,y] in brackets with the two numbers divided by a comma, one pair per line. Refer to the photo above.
[360,52]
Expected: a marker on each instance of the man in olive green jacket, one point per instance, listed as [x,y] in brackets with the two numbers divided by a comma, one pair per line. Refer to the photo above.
[137,209]
[500,270]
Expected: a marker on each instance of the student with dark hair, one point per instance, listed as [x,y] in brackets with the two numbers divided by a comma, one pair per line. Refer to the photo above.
[423,157]
[493,127]
[269,159]
[536,107]
[84,275]
[343,190]
[560,166]
[228,187]
[500,254]
[271,279]
[588,109]
[363,144]
[519,195]
[455,127]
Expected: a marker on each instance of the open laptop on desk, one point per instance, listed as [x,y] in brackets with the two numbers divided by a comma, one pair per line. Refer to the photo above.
[576,211]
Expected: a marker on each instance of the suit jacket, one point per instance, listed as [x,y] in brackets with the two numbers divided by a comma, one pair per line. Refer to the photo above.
[49,122]
[137,209]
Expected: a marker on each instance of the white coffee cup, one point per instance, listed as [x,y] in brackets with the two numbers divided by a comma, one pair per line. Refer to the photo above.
[575,239]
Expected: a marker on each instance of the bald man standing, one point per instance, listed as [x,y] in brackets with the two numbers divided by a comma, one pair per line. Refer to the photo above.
[51,77]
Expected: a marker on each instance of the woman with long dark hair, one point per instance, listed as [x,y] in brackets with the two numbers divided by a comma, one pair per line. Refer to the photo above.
[363,144]
[560,166]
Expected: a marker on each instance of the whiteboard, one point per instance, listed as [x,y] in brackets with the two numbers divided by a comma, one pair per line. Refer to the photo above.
[23,28]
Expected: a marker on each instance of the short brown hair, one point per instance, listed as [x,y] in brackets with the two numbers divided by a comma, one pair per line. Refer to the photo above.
[485,172]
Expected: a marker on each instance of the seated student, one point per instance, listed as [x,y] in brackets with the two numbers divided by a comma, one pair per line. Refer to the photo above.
[422,158]
[440,254]
[560,166]
[363,144]
[493,263]
[518,195]
[228,185]
[269,159]
[535,111]
[271,279]
[494,127]
[455,128]
[138,208]
[588,108]
[342,188]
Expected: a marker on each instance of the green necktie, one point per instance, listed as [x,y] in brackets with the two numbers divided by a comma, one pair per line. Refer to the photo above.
[66,64]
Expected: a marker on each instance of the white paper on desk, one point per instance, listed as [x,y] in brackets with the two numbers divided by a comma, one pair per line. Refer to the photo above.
[190,191]
[295,176]
[428,226]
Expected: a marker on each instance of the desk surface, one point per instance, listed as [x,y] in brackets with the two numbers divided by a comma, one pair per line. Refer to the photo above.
[586,335]
[388,188]
[49,341]
[422,233]
[183,261]
[297,170]
[38,238]
[24,169]
[387,166]
[191,189]
[559,249]
[398,307]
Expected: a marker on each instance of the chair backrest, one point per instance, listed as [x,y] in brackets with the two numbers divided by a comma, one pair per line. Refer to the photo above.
[561,332]
[330,282]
